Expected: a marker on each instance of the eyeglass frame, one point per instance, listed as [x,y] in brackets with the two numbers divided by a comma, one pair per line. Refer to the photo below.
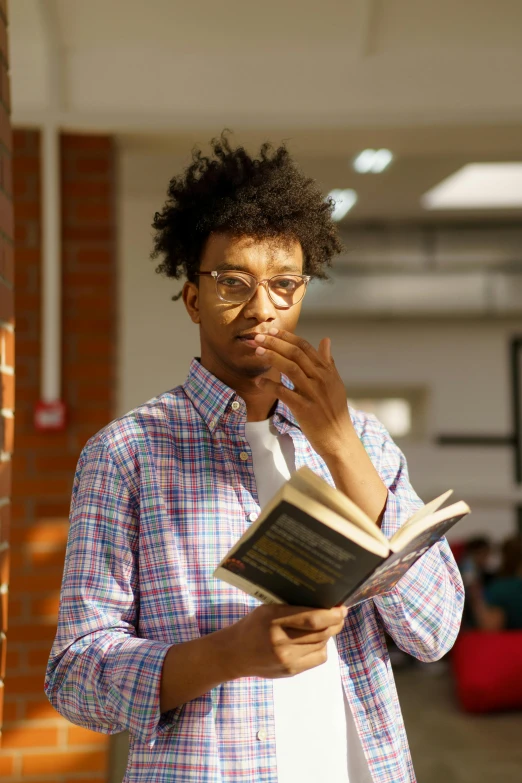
[215,274]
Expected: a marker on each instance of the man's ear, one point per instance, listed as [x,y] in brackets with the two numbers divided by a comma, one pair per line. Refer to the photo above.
[190,295]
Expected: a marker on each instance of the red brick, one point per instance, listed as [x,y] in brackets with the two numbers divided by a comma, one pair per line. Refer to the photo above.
[38,658]
[52,763]
[100,778]
[43,737]
[6,764]
[5,523]
[48,531]
[26,683]
[76,735]
[94,256]
[42,487]
[11,713]
[59,509]
[46,580]
[39,709]
[46,607]
[7,343]
[13,658]
[25,164]
[27,210]
[91,165]
[78,141]
[96,213]
[5,558]
[6,303]
[5,479]
[57,462]
[88,233]
[8,390]
[53,558]
[6,434]
[7,263]
[85,190]
[32,632]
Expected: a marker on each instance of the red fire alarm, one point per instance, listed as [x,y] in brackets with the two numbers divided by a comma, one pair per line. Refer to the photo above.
[49,416]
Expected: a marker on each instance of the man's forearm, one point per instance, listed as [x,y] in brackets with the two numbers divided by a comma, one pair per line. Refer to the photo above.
[194,668]
[354,474]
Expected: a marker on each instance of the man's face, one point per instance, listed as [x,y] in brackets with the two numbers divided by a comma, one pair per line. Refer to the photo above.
[223,326]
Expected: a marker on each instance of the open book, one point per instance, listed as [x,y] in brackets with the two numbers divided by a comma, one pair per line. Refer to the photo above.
[312,546]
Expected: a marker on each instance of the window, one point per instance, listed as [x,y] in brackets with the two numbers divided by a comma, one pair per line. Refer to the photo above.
[401,411]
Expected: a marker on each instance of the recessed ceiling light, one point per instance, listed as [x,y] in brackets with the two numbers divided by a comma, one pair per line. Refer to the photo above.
[478,186]
[372,161]
[344,201]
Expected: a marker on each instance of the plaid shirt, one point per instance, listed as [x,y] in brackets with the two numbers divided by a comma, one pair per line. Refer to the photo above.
[159,497]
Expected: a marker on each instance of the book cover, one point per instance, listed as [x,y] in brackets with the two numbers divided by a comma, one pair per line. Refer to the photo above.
[300,561]
[387,574]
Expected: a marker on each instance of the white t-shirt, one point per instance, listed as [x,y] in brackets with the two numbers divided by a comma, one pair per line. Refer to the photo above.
[316,737]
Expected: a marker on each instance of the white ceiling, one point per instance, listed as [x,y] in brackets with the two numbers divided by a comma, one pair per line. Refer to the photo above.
[437,81]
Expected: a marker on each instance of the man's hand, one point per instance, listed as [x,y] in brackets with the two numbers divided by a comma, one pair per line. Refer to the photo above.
[280,641]
[318,399]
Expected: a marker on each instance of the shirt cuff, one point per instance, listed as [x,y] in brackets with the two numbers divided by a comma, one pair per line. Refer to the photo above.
[134,691]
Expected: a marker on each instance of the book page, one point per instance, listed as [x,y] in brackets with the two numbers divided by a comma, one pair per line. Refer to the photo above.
[307,482]
[386,576]
[422,513]
[409,533]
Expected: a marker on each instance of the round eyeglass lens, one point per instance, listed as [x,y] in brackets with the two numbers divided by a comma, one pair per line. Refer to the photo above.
[285,290]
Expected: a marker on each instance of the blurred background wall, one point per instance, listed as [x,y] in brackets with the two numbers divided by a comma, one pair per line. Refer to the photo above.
[424,308]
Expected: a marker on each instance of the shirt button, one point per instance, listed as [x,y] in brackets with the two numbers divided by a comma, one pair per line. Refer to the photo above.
[253,516]
[235,405]
[213,423]
[243,456]
[261,735]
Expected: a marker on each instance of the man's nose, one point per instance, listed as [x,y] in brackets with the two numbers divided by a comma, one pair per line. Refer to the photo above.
[260,307]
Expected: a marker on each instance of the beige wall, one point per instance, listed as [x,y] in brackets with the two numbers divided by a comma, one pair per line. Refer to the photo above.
[463,364]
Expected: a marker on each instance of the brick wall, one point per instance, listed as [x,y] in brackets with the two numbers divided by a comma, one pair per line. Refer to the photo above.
[38,745]
[6,342]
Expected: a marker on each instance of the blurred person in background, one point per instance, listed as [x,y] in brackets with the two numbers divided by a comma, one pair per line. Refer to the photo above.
[475,568]
[211,685]
[498,606]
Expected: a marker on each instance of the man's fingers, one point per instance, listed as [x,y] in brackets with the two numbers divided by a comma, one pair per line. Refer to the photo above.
[314,620]
[305,637]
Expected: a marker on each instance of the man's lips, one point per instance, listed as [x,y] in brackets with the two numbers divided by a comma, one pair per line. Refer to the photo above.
[248,339]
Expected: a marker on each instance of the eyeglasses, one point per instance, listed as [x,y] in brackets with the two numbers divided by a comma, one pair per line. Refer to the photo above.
[284,291]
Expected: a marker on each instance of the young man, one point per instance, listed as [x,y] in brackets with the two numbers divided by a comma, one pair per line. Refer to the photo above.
[212,686]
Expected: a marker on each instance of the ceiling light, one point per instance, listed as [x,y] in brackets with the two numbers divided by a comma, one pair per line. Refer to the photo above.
[344,201]
[478,186]
[372,161]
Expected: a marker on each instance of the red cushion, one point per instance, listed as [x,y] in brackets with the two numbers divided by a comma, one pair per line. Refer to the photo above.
[488,670]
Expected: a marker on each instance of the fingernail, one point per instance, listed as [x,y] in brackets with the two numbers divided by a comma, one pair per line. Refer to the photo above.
[344,611]
[273,330]
[260,351]
[259,338]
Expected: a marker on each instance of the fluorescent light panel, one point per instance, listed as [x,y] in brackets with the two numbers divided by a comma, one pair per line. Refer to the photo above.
[478,186]
[372,161]
[344,201]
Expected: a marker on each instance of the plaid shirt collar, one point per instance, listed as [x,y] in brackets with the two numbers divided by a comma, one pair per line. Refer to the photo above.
[212,398]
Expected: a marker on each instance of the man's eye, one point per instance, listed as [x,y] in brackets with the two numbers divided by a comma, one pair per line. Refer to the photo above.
[233,281]
[287,284]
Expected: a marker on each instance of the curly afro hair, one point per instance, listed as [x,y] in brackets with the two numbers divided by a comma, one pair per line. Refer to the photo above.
[266,198]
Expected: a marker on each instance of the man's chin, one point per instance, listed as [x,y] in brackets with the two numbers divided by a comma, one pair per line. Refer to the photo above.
[254,372]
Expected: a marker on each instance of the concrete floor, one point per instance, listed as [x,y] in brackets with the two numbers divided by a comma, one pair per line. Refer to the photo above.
[448,746]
